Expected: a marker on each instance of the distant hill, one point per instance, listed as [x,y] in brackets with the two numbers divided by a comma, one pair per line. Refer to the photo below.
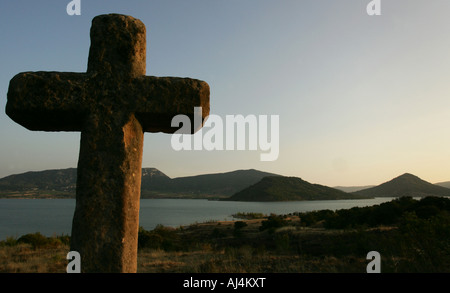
[220,184]
[444,184]
[289,189]
[353,188]
[59,183]
[405,185]
[243,185]
[154,184]
[152,177]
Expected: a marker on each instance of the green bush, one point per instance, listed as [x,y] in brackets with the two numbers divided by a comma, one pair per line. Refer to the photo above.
[64,239]
[217,233]
[388,213]
[426,241]
[273,222]
[239,225]
[159,238]
[238,228]
[10,241]
[282,242]
[248,216]
[37,240]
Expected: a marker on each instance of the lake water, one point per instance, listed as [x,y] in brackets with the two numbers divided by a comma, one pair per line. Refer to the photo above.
[54,216]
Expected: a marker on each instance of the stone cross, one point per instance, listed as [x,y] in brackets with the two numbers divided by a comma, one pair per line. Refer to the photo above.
[112,104]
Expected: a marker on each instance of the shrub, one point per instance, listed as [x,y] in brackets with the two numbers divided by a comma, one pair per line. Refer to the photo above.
[248,216]
[311,218]
[282,242]
[10,241]
[36,240]
[273,222]
[427,241]
[239,225]
[217,233]
[159,238]
[238,228]
[64,239]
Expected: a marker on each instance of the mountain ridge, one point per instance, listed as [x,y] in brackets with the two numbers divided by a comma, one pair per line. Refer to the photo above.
[353,188]
[405,185]
[61,183]
[445,184]
[284,188]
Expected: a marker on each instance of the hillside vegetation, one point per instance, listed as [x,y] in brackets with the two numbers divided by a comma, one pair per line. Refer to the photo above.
[154,184]
[239,185]
[405,185]
[411,236]
[289,189]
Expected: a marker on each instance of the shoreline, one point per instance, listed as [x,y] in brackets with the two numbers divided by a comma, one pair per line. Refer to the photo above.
[311,242]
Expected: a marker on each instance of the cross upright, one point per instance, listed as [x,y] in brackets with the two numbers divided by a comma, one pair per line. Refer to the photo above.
[112,105]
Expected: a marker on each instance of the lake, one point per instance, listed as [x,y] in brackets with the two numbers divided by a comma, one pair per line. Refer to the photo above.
[54,216]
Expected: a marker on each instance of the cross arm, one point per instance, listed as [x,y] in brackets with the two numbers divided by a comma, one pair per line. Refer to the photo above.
[159,99]
[48,101]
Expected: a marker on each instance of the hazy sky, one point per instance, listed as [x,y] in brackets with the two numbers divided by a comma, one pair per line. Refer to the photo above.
[361,99]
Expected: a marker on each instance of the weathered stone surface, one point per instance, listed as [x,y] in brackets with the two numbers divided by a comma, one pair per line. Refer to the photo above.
[54,101]
[112,104]
[106,219]
[118,46]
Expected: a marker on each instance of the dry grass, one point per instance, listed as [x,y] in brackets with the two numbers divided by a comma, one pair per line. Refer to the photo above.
[199,255]
[22,258]
[220,247]
[242,260]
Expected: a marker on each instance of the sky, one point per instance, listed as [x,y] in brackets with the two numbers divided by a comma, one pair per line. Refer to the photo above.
[360,99]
